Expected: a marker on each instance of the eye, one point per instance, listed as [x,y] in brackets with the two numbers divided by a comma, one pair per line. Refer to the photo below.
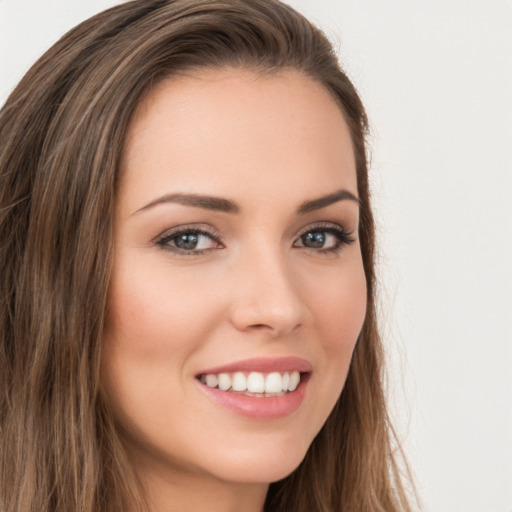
[325,239]
[189,241]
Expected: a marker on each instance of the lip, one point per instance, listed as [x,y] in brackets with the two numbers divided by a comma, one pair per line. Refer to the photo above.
[263,365]
[262,408]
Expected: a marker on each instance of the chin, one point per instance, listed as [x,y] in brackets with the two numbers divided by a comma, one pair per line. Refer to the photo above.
[259,465]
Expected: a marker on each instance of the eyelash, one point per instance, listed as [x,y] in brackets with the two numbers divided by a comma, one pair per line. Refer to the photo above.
[164,241]
[343,238]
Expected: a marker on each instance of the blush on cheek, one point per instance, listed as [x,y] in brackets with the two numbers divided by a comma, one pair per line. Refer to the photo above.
[342,313]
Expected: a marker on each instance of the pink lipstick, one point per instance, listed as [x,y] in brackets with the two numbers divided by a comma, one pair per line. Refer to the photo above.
[261,388]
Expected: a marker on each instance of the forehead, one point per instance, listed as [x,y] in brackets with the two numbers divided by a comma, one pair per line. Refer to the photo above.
[230,131]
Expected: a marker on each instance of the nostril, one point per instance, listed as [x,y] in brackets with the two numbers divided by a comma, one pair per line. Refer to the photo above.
[260,312]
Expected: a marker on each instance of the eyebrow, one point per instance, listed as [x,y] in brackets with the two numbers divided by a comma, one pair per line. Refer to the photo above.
[323,202]
[227,206]
[199,201]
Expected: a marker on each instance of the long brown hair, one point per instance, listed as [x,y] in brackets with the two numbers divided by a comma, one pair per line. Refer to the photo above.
[61,135]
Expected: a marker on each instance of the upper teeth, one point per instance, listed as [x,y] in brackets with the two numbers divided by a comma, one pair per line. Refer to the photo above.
[254,382]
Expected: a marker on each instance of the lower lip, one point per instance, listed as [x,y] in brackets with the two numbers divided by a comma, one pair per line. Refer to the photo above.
[266,408]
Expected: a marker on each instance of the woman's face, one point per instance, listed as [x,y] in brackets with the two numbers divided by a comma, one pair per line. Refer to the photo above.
[237,263]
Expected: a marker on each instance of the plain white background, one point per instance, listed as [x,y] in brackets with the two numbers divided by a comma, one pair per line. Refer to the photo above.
[436,78]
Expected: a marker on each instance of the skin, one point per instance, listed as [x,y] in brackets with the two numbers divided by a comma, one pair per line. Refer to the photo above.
[268,143]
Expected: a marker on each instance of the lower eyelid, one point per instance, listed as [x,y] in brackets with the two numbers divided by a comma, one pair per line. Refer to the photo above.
[165,241]
[342,238]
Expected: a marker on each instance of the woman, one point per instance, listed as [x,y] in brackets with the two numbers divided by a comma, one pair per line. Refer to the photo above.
[188,317]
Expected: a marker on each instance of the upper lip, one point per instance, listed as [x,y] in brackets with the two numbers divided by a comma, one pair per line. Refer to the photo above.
[263,365]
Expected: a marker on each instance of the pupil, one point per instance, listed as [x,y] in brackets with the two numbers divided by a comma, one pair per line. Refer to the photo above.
[314,239]
[188,241]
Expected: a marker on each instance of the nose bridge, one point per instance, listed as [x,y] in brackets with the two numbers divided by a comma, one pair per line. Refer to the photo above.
[267,295]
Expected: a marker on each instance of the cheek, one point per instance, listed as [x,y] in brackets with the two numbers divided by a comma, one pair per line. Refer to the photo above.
[339,314]
[337,303]
[340,309]
[152,330]
[154,313]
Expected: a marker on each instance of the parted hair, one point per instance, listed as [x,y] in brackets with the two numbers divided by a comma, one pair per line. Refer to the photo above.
[61,136]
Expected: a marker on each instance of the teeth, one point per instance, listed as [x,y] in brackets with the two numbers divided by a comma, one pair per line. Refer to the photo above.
[294,381]
[239,382]
[224,381]
[286,381]
[212,381]
[256,382]
[273,383]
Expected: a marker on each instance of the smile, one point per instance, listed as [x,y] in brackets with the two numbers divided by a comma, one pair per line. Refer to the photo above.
[256,384]
[260,388]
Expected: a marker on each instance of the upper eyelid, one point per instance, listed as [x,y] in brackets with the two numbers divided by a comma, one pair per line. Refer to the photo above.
[209,229]
[344,235]
[163,241]
[324,225]
[196,227]
[215,233]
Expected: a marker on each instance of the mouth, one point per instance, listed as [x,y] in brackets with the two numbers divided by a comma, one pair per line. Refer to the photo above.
[255,384]
[261,388]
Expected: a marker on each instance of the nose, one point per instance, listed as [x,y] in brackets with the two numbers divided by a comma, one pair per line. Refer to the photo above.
[267,297]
